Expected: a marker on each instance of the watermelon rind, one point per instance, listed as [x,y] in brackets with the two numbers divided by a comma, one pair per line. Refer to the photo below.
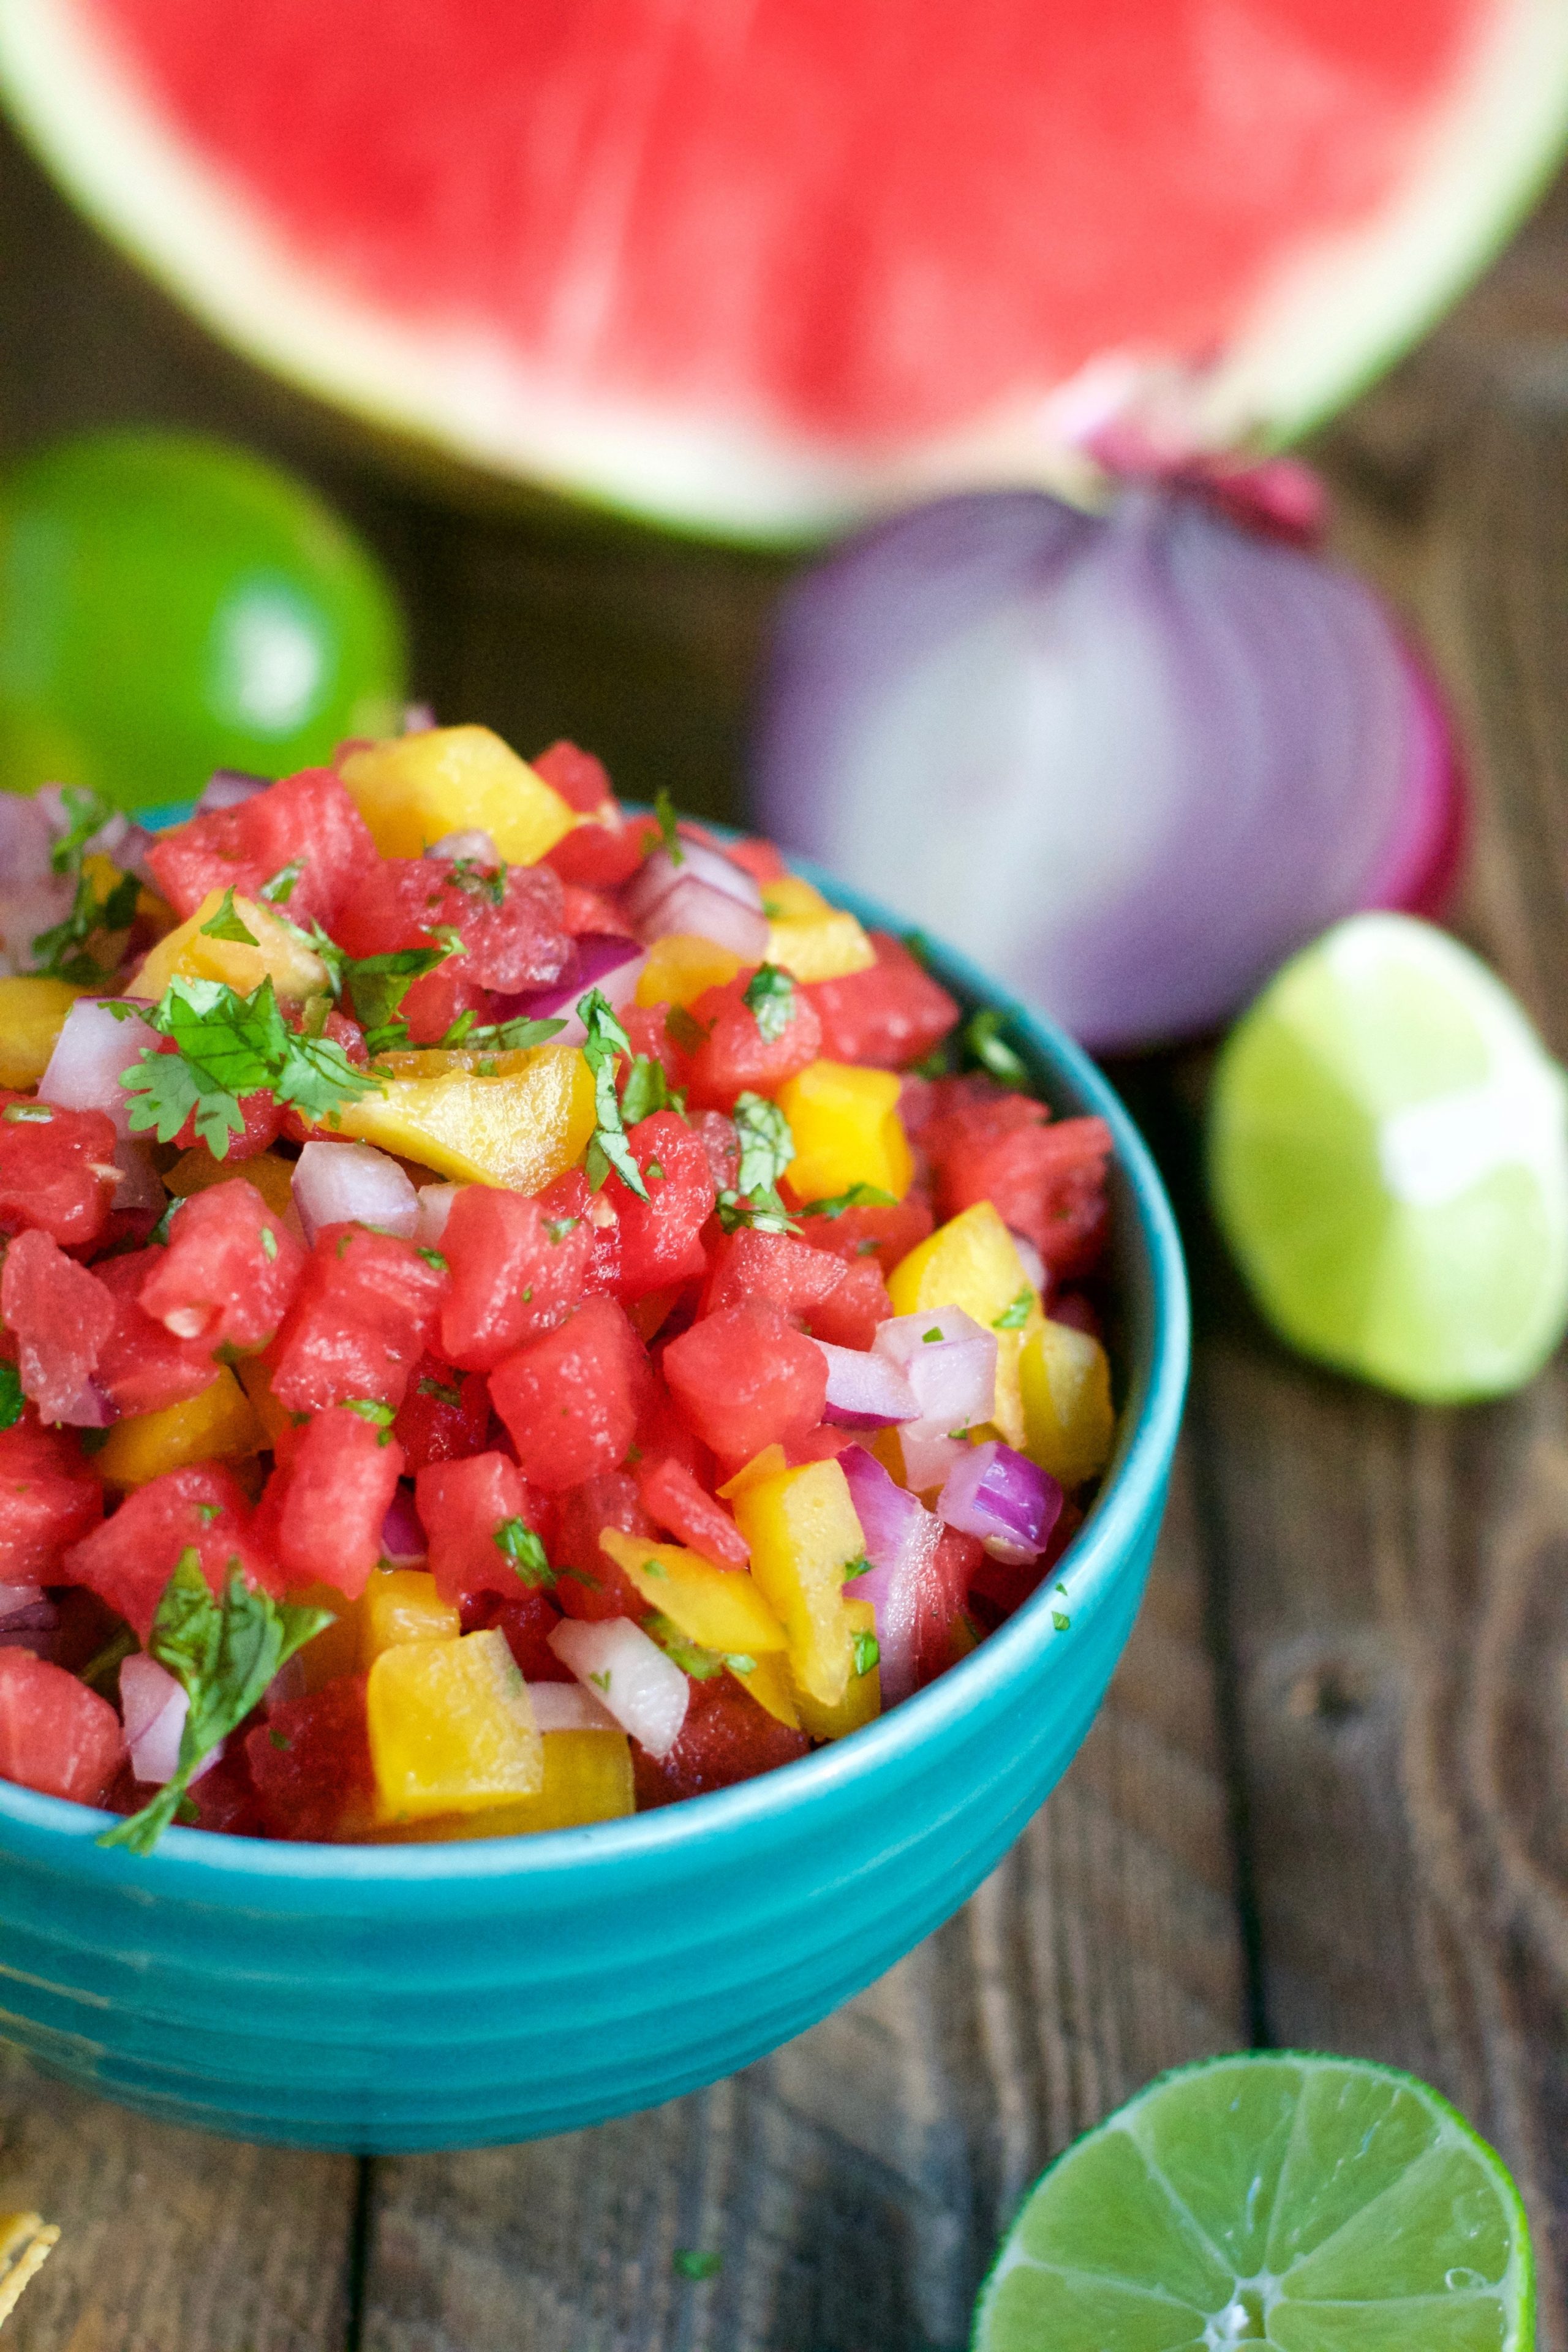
[1331,319]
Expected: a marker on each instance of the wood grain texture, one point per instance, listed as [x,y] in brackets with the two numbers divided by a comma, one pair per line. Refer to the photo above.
[855,2182]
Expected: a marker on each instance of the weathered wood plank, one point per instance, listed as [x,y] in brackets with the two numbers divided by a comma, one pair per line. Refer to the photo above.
[171,2242]
[855,2182]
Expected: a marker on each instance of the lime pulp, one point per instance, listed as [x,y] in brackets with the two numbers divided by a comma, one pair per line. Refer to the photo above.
[1316,2204]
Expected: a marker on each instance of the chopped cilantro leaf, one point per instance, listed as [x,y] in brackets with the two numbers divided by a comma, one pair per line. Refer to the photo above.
[935,1333]
[228,925]
[689,1656]
[1060,1620]
[62,953]
[687,2263]
[509,1036]
[29,1114]
[767,1147]
[434,1259]
[601,1682]
[983,1039]
[934,1065]
[858,1566]
[268,1242]
[770,996]
[867,1652]
[669,838]
[376,986]
[228,1045]
[644,1091]
[517,1539]
[280,889]
[280,1740]
[89,814]
[482,881]
[557,1229]
[858,1196]
[1016,1314]
[12,1400]
[443,1391]
[919,947]
[739,1664]
[652,1566]
[609,1147]
[379,1417]
[654,1171]
[684,1030]
[225,1652]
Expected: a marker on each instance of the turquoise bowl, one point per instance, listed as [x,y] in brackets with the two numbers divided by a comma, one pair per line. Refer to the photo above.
[418,1997]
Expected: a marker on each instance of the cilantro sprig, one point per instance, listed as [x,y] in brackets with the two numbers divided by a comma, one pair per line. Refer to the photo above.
[228,923]
[669,838]
[527,1554]
[89,814]
[225,1652]
[62,952]
[227,1045]
[499,1036]
[607,1146]
[858,1196]
[770,998]
[767,1147]
[1016,1314]
[376,985]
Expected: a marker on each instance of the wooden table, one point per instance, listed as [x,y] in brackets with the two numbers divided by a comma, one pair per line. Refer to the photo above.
[1327,1802]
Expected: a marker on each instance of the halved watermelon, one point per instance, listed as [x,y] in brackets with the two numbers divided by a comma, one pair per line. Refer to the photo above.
[760,267]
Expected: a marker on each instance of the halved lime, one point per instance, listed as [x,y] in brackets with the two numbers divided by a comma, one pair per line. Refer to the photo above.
[1388,1159]
[1316,2204]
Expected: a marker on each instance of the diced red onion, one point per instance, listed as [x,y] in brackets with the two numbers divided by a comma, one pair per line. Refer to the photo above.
[953,1374]
[569,1706]
[1034,1265]
[28,1619]
[402,1538]
[901,1536]
[470,843]
[865,1390]
[16,1600]
[92,1050]
[929,1455]
[698,861]
[1002,1497]
[154,1707]
[1131,761]
[695,909]
[229,788]
[342,1183]
[435,1208]
[607,960]
[644,1691]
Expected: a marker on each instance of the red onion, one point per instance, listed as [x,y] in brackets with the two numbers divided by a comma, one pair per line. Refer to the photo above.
[229,788]
[644,1691]
[28,1619]
[1131,761]
[435,1208]
[607,960]
[402,1539]
[697,861]
[343,1184]
[92,1050]
[704,896]
[568,1706]
[865,1390]
[154,1707]
[901,1536]
[949,1361]
[470,843]
[1004,1498]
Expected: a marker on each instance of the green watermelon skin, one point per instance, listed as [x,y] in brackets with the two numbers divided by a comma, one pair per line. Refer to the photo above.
[763,267]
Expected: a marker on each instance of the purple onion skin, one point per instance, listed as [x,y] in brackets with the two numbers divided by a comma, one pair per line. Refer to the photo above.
[1130,761]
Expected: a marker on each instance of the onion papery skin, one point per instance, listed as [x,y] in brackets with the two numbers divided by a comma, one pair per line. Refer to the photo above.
[1131,761]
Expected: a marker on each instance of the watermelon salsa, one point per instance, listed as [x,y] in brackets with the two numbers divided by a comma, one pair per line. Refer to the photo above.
[515,1311]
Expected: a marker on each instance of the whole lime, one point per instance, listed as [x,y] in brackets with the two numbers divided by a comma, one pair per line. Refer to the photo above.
[169,605]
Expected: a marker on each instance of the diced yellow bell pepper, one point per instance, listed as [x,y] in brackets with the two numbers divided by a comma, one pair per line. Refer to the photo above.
[768,1463]
[771,1684]
[679,967]
[412,790]
[295,970]
[862,1701]
[216,1426]
[972,1262]
[719,1608]
[451,1728]
[802,1527]
[846,1131]
[820,947]
[402,1604]
[1069,1422]
[333,1651]
[588,1777]
[791,895]
[32,1014]
[196,1172]
[521,1129]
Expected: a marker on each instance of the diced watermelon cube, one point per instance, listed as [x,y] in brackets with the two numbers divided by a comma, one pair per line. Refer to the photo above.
[519,1265]
[307,820]
[57,1171]
[942,1591]
[141,1366]
[776,1267]
[130,1559]
[585,911]
[436,999]
[734,1056]
[509,918]
[848,1316]
[465,1506]
[757,857]
[603,857]
[890,1015]
[571,1398]
[229,1272]
[526,1618]
[882,1234]
[745,1379]
[322,1511]
[366,1309]
[60,1315]
[1044,1177]
[49,1500]
[673,1499]
[310,1765]
[444,1415]
[56,1735]
[582,781]
[590,1585]
[726,1738]
[657,1237]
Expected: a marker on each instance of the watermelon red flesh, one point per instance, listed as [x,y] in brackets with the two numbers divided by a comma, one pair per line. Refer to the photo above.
[748,270]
